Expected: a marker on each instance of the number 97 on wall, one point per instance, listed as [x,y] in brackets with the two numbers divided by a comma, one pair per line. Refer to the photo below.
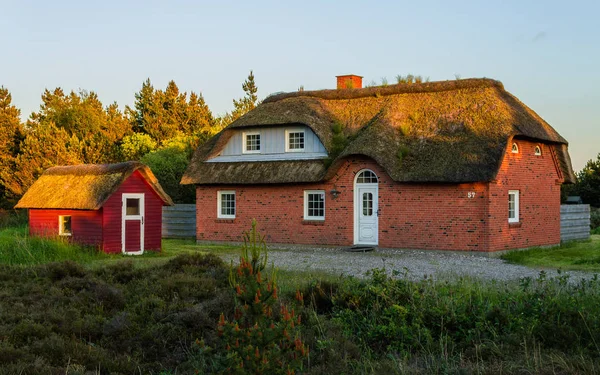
[471,194]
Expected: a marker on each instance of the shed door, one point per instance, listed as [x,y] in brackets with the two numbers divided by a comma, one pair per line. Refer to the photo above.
[133,224]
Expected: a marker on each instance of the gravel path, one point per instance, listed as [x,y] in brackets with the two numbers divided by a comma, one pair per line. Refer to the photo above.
[416,264]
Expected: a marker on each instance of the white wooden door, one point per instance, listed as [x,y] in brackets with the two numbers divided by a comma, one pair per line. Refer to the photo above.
[133,224]
[366,213]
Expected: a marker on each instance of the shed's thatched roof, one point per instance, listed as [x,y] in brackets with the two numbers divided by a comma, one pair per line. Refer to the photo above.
[84,187]
[451,131]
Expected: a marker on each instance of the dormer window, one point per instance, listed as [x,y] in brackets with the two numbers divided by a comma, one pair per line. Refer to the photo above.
[294,141]
[515,148]
[251,143]
[538,151]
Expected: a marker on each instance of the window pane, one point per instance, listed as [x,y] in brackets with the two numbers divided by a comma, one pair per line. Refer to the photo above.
[227,204]
[296,140]
[65,225]
[366,177]
[315,205]
[512,206]
[132,206]
[367,204]
[253,142]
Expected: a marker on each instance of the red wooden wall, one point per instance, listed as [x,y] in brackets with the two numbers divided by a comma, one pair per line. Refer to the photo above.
[86,225]
[152,216]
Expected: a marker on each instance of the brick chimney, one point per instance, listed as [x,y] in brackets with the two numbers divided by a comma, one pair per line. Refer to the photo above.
[349,81]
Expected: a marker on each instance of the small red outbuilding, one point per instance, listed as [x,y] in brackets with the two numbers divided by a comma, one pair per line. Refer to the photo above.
[117,207]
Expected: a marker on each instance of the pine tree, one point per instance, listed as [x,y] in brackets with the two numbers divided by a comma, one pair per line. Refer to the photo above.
[82,115]
[11,135]
[243,105]
[169,114]
[264,336]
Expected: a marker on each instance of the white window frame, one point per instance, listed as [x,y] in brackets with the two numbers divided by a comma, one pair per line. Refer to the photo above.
[220,193]
[514,148]
[306,216]
[287,140]
[515,193]
[61,225]
[537,151]
[245,143]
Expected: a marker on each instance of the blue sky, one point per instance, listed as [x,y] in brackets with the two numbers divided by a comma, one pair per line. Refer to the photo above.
[547,53]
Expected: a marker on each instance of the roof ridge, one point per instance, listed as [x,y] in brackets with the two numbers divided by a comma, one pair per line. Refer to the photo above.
[400,88]
[94,169]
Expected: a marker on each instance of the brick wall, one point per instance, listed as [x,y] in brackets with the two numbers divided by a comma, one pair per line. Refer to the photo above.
[538,182]
[412,216]
[421,216]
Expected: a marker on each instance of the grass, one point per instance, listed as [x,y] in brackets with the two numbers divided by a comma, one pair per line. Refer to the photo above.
[117,314]
[581,255]
[18,248]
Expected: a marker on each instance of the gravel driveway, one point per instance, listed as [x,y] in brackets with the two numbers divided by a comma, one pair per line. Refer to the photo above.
[417,264]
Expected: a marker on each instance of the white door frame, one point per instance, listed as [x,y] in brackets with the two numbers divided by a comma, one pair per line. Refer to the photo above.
[357,203]
[125,217]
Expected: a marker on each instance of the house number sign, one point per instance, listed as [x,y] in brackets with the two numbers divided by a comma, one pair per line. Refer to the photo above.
[471,194]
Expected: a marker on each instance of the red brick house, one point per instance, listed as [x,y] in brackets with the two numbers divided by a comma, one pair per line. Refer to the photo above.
[455,165]
[116,207]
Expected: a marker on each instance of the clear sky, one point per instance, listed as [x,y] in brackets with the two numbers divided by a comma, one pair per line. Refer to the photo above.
[547,53]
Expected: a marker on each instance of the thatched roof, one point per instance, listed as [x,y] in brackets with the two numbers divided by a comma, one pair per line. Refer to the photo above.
[84,187]
[450,131]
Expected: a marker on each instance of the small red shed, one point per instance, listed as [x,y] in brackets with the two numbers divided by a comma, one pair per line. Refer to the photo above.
[117,207]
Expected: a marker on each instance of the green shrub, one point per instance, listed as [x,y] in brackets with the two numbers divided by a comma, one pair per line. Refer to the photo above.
[168,165]
[388,315]
[13,218]
[594,218]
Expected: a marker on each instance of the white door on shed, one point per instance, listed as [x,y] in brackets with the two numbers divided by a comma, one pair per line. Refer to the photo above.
[132,224]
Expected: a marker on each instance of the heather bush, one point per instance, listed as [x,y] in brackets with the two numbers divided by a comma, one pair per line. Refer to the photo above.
[63,318]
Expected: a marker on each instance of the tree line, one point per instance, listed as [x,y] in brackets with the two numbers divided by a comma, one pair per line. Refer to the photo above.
[587,185]
[161,129]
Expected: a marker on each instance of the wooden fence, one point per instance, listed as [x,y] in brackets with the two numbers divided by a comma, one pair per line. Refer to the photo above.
[179,221]
[574,222]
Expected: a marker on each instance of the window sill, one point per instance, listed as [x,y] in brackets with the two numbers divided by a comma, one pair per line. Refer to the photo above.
[225,221]
[515,225]
[313,222]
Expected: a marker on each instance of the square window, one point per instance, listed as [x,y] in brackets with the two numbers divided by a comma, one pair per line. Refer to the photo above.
[64,226]
[294,141]
[513,206]
[314,205]
[132,207]
[251,143]
[226,205]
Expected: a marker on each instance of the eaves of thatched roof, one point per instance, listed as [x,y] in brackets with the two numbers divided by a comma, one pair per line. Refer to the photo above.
[84,187]
[451,131]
